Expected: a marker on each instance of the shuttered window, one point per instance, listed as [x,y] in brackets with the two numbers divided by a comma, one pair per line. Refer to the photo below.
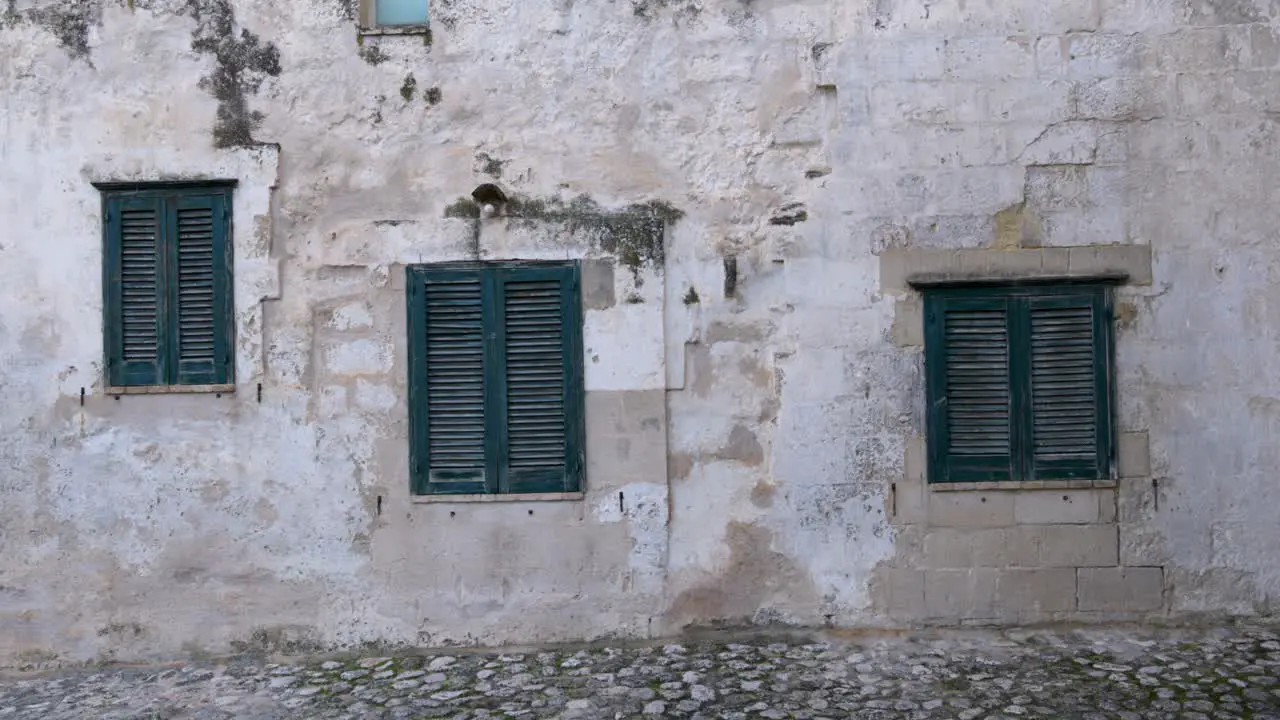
[167,285]
[1019,383]
[495,378]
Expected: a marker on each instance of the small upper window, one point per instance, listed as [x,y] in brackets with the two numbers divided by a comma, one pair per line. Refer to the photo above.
[1019,383]
[395,13]
[168,292]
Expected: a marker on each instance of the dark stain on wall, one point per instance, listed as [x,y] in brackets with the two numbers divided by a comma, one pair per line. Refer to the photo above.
[408,87]
[463,207]
[635,234]
[650,9]
[69,24]
[346,8]
[743,593]
[444,14]
[790,214]
[241,63]
[286,639]
[490,165]
[373,55]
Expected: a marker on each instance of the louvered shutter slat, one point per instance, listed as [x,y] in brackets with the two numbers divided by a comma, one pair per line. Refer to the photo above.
[135,287]
[1064,369]
[454,373]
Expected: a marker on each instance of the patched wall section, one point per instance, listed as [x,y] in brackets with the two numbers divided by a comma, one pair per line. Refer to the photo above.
[571,569]
[1020,552]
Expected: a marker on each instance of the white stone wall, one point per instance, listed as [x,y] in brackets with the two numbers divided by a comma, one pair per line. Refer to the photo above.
[750,396]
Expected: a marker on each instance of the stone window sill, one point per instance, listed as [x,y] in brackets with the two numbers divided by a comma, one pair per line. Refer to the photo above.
[396,30]
[498,498]
[1028,485]
[167,389]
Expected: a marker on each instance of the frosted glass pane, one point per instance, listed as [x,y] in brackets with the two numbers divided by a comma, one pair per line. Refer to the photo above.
[402,12]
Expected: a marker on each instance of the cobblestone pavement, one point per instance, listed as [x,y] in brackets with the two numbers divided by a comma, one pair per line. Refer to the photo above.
[1087,674]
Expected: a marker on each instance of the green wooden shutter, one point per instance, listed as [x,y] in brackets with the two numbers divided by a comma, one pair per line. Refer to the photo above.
[135,301]
[200,290]
[971,411]
[1068,380]
[541,398]
[447,390]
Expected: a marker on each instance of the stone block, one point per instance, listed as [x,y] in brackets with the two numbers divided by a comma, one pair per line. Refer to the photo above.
[1057,187]
[908,321]
[915,459]
[953,231]
[1029,593]
[1121,589]
[1092,224]
[1005,263]
[900,592]
[989,57]
[955,548]
[911,503]
[926,103]
[960,594]
[1068,143]
[1022,546]
[1055,262]
[1261,47]
[968,18]
[1216,591]
[971,509]
[1091,55]
[597,284]
[1196,50]
[1041,18]
[1107,503]
[1031,100]
[854,106]
[976,189]
[1124,98]
[804,125]
[1133,260]
[1048,507]
[1079,545]
[897,264]
[1133,455]
[965,147]
[603,410]
[359,357]
[898,58]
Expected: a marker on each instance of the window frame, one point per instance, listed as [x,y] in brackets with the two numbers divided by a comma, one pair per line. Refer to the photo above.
[169,196]
[369,24]
[1018,298]
[496,481]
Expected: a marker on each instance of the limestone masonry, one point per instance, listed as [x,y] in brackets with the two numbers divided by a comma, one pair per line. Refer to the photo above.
[754,193]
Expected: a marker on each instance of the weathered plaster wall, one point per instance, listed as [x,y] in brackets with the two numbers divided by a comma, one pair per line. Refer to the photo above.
[754,399]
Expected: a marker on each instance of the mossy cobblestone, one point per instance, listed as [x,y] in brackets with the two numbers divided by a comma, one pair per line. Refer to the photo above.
[1093,674]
